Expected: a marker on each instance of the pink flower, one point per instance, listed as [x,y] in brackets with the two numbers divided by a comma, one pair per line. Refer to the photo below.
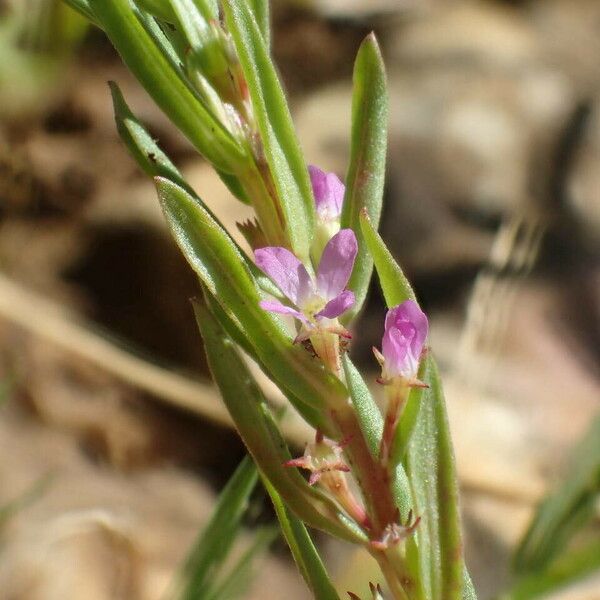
[312,300]
[329,193]
[406,328]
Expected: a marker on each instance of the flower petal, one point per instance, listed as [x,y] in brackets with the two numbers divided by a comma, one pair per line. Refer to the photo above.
[288,273]
[406,328]
[328,191]
[337,262]
[340,304]
[276,307]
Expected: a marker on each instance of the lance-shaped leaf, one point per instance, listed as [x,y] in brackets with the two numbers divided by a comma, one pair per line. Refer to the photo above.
[408,421]
[394,285]
[250,412]
[158,8]
[429,464]
[216,538]
[569,508]
[143,147]
[156,163]
[429,459]
[260,9]
[303,550]
[367,411]
[172,94]
[366,173]
[217,261]
[281,148]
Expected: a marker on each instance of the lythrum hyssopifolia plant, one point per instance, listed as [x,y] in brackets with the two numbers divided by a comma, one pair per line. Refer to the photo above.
[381,477]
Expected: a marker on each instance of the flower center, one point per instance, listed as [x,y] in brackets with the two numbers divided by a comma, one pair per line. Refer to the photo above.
[313,305]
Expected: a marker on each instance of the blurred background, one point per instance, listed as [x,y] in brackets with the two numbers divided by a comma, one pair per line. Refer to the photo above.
[114,444]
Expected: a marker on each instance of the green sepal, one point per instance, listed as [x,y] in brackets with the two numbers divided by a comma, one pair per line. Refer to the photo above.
[366,173]
[169,90]
[217,261]
[258,430]
[303,550]
[271,112]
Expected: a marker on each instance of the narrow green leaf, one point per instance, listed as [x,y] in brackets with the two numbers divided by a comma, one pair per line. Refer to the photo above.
[366,172]
[218,263]
[303,550]
[430,468]
[409,419]
[569,568]
[143,147]
[282,151]
[394,284]
[570,507]
[260,9]
[250,412]
[172,94]
[158,8]
[191,21]
[166,40]
[208,8]
[216,538]
[367,411]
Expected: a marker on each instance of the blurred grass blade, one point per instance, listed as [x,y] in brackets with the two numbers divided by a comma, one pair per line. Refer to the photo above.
[28,497]
[430,467]
[260,9]
[303,550]
[217,261]
[366,173]
[172,94]
[429,459]
[367,411]
[215,540]
[569,568]
[83,8]
[236,581]
[570,507]
[394,285]
[282,151]
[250,412]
